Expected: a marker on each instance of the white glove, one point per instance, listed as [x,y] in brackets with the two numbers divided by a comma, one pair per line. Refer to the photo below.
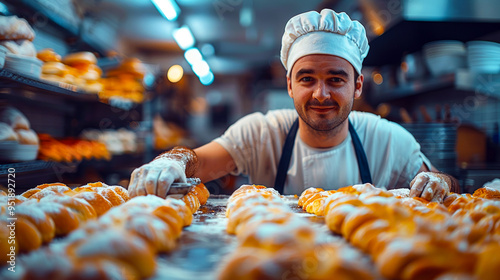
[429,186]
[156,177]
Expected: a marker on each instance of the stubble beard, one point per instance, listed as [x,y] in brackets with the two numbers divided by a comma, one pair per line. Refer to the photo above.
[325,125]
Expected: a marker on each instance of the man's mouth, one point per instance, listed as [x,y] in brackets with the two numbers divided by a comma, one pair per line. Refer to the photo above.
[322,109]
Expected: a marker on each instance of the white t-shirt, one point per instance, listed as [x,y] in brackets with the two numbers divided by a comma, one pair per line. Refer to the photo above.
[256,141]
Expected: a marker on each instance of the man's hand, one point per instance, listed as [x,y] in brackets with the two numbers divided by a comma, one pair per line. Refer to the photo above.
[431,186]
[156,177]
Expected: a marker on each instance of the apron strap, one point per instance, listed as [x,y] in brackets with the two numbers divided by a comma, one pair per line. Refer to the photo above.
[364,168]
[286,155]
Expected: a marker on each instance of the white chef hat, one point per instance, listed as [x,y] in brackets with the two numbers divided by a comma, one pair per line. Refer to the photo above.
[327,32]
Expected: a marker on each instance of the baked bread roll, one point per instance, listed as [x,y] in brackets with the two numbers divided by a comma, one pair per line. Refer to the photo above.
[153,230]
[48,55]
[28,238]
[27,137]
[171,217]
[64,219]
[14,28]
[202,193]
[191,201]
[5,250]
[487,192]
[121,245]
[79,206]
[23,48]
[44,224]
[7,133]
[79,59]
[14,118]
[100,204]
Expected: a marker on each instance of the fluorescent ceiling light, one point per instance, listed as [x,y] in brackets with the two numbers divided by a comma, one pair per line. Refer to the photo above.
[201,68]
[184,37]
[207,79]
[193,55]
[168,8]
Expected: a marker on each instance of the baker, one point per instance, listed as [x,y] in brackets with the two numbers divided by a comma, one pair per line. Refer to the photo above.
[322,143]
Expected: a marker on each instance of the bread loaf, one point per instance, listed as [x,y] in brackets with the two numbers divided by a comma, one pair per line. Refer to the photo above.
[14,28]
[14,118]
[7,133]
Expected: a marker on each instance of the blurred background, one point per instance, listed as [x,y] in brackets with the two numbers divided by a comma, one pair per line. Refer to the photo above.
[179,72]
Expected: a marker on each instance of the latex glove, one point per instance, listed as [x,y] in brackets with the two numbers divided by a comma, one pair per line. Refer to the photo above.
[156,177]
[430,186]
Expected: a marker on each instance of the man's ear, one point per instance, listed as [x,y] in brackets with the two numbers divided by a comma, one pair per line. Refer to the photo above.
[359,86]
[289,86]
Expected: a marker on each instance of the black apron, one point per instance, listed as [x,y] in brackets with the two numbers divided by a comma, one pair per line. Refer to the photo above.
[286,155]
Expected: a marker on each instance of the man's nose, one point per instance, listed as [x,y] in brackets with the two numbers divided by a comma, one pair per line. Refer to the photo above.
[321,92]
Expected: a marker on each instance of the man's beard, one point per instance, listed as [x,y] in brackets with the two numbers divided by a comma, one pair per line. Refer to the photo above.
[325,124]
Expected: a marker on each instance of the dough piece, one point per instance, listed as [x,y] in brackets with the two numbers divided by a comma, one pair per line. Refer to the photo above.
[27,137]
[14,28]
[28,238]
[20,47]
[14,118]
[48,55]
[121,245]
[7,133]
[101,205]
[64,219]
[39,219]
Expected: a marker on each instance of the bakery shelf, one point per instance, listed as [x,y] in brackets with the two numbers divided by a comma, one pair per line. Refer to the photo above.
[59,13]
[9,79]
[411,35]
[461,82]
[27,166]
[12,80]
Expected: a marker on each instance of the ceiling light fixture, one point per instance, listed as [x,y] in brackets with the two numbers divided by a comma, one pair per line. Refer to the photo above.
[175,73]
[193,55]
[183,37]
[168,8]
[201,68]
[207,79]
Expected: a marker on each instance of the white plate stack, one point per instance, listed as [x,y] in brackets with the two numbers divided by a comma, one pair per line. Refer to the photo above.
[26,65]
[442,57]
[483,57]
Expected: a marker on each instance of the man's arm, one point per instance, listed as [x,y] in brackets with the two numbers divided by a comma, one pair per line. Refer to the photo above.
[208,162]
[432,184]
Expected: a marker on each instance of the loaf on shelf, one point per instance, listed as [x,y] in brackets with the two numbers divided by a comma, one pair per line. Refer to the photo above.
[411,238]
[71,149]
[18,142]
[16,36]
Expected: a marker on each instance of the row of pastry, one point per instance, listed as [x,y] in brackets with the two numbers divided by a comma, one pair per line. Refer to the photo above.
[54,210]
[121,244]
[411,238]
[129,232]
[275,243]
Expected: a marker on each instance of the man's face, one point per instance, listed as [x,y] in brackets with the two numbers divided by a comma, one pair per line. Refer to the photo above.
[323,90]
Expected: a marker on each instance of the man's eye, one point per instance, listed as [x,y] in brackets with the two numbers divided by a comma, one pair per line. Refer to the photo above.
[337,80]
[305,79]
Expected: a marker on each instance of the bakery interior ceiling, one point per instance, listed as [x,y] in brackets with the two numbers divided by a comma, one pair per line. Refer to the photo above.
[233,35]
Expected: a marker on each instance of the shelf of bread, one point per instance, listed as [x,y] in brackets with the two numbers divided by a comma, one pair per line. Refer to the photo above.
[91,229]
[75,75]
